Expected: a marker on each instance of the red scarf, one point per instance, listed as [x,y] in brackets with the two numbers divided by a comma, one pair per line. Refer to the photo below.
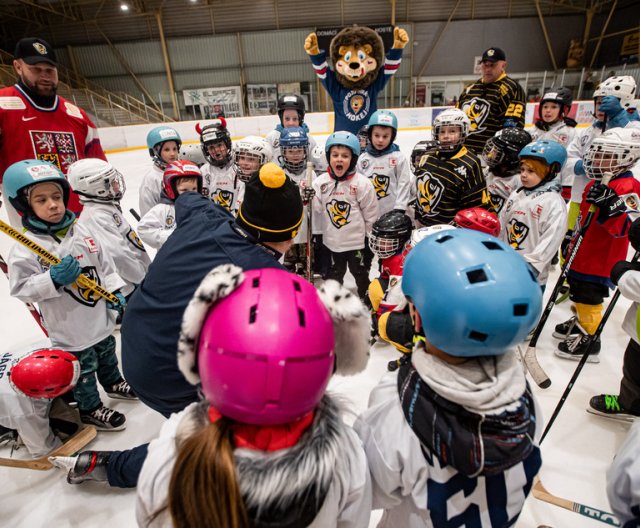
[266,437]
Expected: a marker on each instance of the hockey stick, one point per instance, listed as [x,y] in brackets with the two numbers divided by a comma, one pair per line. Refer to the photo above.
[135,214]
[71,446]
[541,493]
[82,280]
[309,270]
[585,356]
[34,311]
[530,356]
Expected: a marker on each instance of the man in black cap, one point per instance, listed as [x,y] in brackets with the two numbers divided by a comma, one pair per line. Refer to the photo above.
[36,123]
[493,102]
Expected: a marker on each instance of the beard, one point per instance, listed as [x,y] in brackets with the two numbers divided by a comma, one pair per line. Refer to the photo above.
[49,90]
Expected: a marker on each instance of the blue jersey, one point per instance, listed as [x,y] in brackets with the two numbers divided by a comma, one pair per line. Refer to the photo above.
[352,108]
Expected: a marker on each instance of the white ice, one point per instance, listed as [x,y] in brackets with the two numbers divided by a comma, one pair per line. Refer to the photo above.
[576,453]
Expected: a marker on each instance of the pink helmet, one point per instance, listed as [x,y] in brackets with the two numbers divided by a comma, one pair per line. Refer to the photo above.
[266,351]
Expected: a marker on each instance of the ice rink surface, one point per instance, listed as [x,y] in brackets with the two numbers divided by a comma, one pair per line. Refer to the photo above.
[576,454]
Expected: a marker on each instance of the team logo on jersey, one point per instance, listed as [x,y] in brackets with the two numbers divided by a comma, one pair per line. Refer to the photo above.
[117,219]
[365,163]
[462,171]
[631,201]
[58,148]
[477,109]
[493,200]
[84,295]
[135,241]
[223,198]
[169,221]
[516,233]
[355,105]
[381,185]
[430,192]
[338,213]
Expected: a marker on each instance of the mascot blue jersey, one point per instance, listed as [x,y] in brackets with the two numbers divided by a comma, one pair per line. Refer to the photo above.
[352,108]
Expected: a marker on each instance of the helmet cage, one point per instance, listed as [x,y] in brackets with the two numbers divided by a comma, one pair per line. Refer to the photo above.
[214,136]
[604,156]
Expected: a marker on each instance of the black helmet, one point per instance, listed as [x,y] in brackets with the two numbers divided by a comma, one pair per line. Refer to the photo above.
[293,101]
[420,149]
[503,148]
[211,134]
[561,96]
[390,233]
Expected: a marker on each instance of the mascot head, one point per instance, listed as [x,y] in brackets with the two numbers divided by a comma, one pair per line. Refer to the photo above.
[357,53]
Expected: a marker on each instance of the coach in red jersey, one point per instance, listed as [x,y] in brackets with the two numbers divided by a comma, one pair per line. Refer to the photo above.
[36,123]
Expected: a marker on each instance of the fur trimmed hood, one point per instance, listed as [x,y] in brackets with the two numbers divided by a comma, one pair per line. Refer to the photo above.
[357,37]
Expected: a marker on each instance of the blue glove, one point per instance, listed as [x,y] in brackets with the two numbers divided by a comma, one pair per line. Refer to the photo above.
[617,116]
[122,302]
[66,272]
[578,168]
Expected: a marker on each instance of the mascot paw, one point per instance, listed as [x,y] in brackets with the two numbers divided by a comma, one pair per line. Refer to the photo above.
[311,44]
[400,38]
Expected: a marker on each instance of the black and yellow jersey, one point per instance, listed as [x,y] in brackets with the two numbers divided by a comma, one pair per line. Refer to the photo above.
[447,184]
[489,106]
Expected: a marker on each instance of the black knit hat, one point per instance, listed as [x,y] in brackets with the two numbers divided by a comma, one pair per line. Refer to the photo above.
[272,207]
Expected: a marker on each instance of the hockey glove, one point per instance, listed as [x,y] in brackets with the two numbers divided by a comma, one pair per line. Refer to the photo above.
[66,272]
[634,234]
[119,306]
[621,267]
[617,117]
[606,199]
[307,194]
[578,168]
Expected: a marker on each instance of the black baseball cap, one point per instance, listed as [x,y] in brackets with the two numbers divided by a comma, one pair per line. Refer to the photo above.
[493,55]
[34,50]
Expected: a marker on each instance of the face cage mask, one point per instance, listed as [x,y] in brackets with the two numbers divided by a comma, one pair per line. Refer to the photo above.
[213,161]
[384,247]
[452,147]
[492,153]
[596,165]
[296,167]
[242,176]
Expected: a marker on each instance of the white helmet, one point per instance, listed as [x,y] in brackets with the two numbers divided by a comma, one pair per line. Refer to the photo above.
[614,151]
[96,179]
[418,235]
[451,117]
[621,86]
[192,153]
[253,146]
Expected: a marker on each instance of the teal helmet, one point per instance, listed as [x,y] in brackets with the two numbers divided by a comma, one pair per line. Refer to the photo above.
[344,139]
[157,137]
[23,174]
[383,118]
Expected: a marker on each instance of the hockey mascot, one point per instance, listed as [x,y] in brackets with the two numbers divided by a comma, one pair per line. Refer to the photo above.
[361,72]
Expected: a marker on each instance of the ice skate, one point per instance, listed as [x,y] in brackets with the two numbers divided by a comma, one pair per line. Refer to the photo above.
[574,347]
[608,405]
[121,391]
[88,465]
[104,419]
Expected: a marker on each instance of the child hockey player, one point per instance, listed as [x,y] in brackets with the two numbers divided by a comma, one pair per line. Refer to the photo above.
[363,137]
[219,179]
[605,241]
[419,150]
[101,187]
[346,207]
[157,225]
[28,384]
[449,179]
[164,144]
[294,148]
[249,154]
[276,443]
[535,215]
[193,153]
[450,434]
[626,404]
[77,319]
[502,171]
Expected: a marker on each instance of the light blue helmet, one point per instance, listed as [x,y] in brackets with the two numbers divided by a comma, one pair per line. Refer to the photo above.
[344,139]
[156,137]
[549,152]
[22,174]
[384,118]
[475,295]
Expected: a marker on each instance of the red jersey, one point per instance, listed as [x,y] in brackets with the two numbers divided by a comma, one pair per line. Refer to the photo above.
[605,243]
[61,135]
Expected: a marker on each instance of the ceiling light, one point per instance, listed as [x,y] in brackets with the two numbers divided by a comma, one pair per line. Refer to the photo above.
[124,7]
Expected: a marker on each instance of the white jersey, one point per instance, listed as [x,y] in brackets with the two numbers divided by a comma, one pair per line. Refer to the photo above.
[500,188]
[391,178]
[301,180]
[534,223]
[75,317]
[29,416]
[623,478]
[222,186]
[559,132]
[415,490]
[157,225]
[347,503]
[150,189]
[344,211]
[119,239]
[273,139]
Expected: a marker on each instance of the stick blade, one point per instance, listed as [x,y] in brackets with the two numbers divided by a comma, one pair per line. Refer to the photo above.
[530,359]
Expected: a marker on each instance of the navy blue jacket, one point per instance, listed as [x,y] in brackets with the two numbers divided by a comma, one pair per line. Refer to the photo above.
[206,236]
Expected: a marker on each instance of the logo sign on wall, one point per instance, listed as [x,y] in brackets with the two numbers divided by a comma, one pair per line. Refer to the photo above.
[262,99]
[326,34]
[215,102]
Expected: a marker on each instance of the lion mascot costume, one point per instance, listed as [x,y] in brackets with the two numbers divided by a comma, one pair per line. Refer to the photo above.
[361,72]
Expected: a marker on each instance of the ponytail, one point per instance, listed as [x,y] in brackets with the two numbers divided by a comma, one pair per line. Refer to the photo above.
[204,490]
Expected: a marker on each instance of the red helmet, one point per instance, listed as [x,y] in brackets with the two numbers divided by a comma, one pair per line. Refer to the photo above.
[179,169]
[478,219]
[44,373]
